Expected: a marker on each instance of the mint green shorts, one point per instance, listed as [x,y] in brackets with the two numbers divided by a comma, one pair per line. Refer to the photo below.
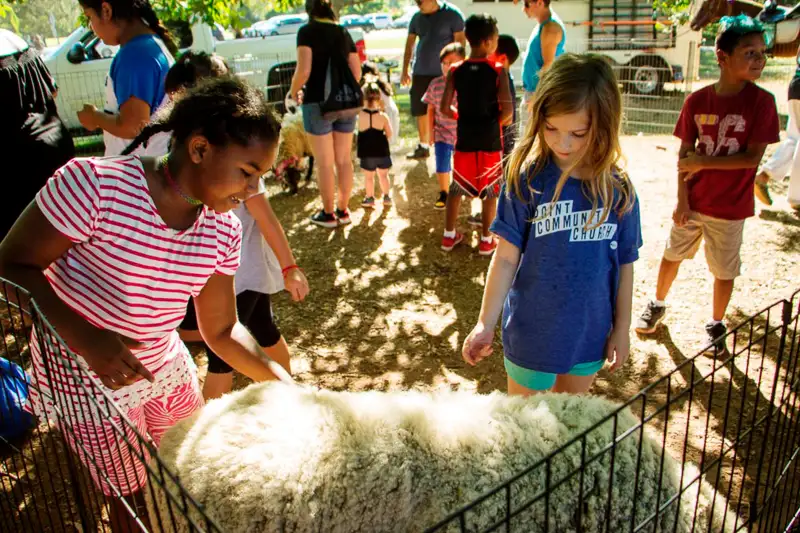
[541,381]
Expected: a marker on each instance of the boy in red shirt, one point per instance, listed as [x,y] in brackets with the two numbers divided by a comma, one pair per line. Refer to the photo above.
[484,105]
[724,129]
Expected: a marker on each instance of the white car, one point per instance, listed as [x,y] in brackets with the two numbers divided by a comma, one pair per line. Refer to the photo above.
[81,63]
[280,25]
[380,21]
[404,20]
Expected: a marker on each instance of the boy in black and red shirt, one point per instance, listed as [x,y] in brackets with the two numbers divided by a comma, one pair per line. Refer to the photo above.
[724,129]
[484,106]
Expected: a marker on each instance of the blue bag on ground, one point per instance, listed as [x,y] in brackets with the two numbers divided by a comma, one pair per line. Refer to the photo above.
[14,421]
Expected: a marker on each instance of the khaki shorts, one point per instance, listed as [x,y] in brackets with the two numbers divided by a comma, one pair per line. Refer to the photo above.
[723,239]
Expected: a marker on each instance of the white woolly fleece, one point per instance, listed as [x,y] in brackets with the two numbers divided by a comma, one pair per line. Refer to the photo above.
[275,458]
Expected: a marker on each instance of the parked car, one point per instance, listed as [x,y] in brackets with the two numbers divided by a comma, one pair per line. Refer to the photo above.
[81,63]
[404,20]
[356,21]
[379,21]
[278,25]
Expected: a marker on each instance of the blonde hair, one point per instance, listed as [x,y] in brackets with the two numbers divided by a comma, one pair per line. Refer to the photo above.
[574,83]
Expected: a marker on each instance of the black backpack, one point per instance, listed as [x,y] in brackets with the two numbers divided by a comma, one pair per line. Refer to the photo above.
[342,96]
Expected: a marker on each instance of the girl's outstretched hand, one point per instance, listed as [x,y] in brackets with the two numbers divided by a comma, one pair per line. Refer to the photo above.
[618,347]
[296,284]
[478,344]
[109,356]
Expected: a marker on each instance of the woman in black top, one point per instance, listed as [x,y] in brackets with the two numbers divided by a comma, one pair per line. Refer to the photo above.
[331,140]
[34,143]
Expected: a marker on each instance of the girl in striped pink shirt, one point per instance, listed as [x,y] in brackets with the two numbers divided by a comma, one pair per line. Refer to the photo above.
[119,246]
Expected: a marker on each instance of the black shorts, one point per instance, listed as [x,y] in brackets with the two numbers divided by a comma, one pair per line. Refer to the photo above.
[255,312]
[419,86]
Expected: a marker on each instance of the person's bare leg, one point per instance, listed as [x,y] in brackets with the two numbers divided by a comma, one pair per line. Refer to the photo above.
[383,177]
[723,289]
[280,354]
[342,149]
[444,181]
[369,183]
[424,127]
[451,216]
[217,384]
[515,389]
[667,273]
[488,211]
[323,148]
[573,384]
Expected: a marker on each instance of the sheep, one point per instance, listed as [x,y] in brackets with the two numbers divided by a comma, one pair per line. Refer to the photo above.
[294,147]
[275,458]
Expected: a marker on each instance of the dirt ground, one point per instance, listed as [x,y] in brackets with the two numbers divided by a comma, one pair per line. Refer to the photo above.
[389,310]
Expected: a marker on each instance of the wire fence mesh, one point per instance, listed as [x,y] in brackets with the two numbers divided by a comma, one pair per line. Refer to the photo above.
[732,413]
[63,474]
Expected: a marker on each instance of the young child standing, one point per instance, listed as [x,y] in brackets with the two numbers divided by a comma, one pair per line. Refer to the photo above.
[480,87]
[267,265]
[370,72]
[569,231]
[724,129]
[506,54]
[374,133]
[443,126]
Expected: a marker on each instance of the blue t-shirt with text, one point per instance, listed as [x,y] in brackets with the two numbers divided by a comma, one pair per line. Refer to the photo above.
[560,309]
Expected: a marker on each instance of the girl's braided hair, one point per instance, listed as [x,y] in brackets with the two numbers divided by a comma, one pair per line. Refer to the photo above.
[133,9]
[223,110]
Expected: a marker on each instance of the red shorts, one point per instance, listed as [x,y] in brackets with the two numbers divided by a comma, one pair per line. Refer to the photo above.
[478,174]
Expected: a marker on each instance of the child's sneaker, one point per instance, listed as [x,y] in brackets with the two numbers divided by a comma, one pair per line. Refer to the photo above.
[323,219]
[441,202]
[487,247]
[448,243]
[420,153]
[762,193]
[651,318]
[368,202]
[715,336]
[343,216]
[387,200]
[475,220]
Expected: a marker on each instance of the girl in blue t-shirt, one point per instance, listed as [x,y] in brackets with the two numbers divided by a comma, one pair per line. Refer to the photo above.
[569,230]
[135,83]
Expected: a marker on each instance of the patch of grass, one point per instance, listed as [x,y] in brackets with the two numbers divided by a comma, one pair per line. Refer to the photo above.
[408,126]
[387,39]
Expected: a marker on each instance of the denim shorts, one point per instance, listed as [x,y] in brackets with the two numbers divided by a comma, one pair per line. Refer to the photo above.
[444,157]
[541,381]
[315,124]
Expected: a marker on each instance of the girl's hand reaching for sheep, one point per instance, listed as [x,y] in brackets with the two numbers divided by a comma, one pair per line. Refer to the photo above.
[296,284]
[618,347]
[478,344]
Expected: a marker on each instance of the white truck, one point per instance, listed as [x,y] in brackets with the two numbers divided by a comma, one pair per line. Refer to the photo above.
[81,63]
[648,52]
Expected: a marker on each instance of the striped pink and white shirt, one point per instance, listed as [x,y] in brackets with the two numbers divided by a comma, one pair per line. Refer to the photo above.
[128,272]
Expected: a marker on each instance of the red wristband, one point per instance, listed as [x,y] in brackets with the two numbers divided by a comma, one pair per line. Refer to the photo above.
[287,269]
